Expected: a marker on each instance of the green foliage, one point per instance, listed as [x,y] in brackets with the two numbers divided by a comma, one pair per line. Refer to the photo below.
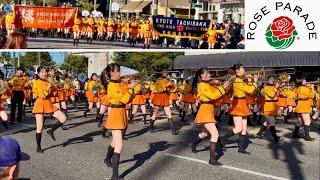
[147,62]
[31,59]
[86,5]
[75,64]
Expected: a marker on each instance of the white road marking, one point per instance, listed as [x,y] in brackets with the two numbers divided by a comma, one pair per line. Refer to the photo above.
[228,167]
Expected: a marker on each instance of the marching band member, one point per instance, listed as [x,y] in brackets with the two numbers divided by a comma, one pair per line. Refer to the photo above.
[17,84]
[173,99]
[212,36]
[303,109]
[117,118]
[188,99]
[90,28]
[270,107]
[5,90]
[110,29]
[240,110]
[76,29]
[43,106]
[205,116]
[9,20]
[133,30]
[161,99]
[101,28]
[147,34]
[137,101]
[92,89]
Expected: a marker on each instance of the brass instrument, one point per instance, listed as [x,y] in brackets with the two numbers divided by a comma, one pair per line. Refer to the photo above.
[96,88]
[3,87]
[284,77]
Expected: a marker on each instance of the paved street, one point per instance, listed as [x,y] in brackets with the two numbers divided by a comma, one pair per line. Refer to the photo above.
[57,43]
[78,154]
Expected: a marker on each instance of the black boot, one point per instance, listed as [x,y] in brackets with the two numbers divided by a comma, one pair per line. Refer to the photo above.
[107,160]
[296,132]
[74,104]
[124,132]
[194,144]
[151,127]
[274,134]
[98,112]
[151,111]
[99,119]
[5,124]
[131,118]
[74,42]
[145,119]
[86,112]
[250,120]
[286,119]
[77,42]
[148,46]
[306,133]
[65,111]
[262,129]
[103,132]
[183,116]
[144,46]
[213,159]
[115,166]
[173,131]
[38,140]
[180,112]
[242,144]
[224,138]
[54,127]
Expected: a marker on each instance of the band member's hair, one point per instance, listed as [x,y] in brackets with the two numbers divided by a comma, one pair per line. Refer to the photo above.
[299,79]
[271,76]
[236,67]
[93,74]
[21,69]
[39,69]
[1,75]
[106,73]
[197,78]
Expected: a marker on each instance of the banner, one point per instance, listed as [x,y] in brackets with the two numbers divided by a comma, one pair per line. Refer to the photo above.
[44,17]
[178,27]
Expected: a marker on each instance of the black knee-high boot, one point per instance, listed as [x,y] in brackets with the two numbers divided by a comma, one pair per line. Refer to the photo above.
[99,119]
[97,114]
[151,110]
[107,160]
[74,42]
[77,42]
[230,120]
[213,159]
[173,131]
[103,132]
[194,144]
[262,129]
[124,133]
[183,116]
[274,134]
[38,139]
[86,112]
[145,119]
[115,166]
[224,138]
[296,132]
[65,111]
[306,135]
[194,113]
[131,118]
[54,127]
[242,144]
[5,124]
[74,104]
[151,127]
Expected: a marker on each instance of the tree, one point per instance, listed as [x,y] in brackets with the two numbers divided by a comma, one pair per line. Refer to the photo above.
[147,62]
[87,5]
[31,59]
[75,64]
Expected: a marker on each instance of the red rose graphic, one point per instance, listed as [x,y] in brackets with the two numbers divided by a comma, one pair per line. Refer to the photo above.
[282,27]
[180,28]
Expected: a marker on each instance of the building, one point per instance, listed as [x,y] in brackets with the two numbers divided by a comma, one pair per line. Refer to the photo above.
[177,8]
[221,10]
[97,61]
[293,63]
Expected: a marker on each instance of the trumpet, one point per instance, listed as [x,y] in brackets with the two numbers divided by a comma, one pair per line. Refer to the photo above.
[3,87]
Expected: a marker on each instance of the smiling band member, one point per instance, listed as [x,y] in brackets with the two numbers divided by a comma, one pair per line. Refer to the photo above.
[205,116]
[117,117]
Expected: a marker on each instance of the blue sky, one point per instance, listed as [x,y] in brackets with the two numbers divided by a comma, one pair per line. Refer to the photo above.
[57,57]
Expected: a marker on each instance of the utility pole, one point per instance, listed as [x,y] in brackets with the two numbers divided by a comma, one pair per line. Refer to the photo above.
[39,58]
[94,4]
[166,8]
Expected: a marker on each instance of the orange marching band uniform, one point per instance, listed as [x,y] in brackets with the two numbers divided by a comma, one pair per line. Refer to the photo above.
[304,105]
[161,94]
[42,92]
[92,89]
[138,95]
[270,107]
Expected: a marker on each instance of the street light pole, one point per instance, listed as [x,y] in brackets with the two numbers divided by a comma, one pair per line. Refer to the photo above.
[94,4]
[166,8]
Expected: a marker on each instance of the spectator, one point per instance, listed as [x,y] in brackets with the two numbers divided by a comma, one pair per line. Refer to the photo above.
[10,156]
[16,41]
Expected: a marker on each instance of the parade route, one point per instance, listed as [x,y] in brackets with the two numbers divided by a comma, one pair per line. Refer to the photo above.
[79,151]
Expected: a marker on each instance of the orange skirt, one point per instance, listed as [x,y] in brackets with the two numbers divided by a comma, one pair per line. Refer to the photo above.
[76,28]
[90,29]
[189,98]
[226,99]
[117,119]
[212,39]
[61,96]
[240,108]
[282,102]
[161,99]
[105,100]
[138,100]
[205,114]
[270,108]
[173,96]
[44,106]
[152,96]
[147,34]
[291,102]
[303,106]
[146,96]
[92,98]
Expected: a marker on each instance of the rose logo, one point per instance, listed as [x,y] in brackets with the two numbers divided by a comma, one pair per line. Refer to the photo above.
[281,33]
[180,28]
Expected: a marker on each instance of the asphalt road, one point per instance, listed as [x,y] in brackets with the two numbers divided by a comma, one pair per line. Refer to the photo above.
[58,43]
[79,151]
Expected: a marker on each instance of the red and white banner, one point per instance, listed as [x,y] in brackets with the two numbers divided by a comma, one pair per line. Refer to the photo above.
[44,17]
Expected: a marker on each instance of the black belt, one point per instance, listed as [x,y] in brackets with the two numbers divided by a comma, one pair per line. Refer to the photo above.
[138,94]
[118,105]
[239,97]
[303,99]
[206,102]
[271,100]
